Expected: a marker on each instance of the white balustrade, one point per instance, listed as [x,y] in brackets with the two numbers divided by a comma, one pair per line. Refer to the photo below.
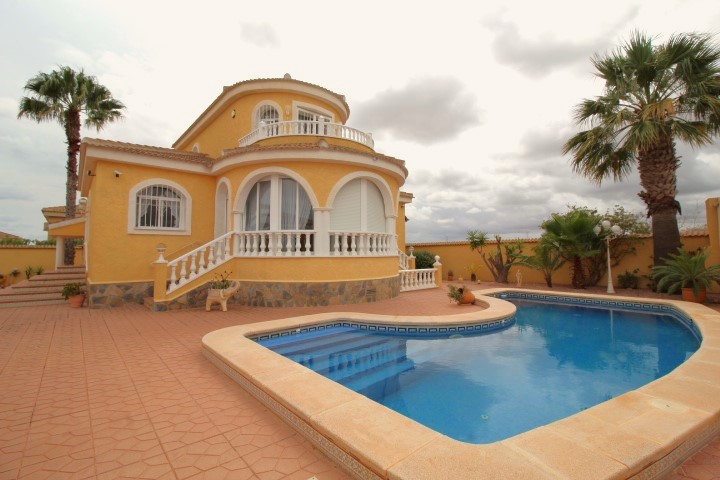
[361,243]
[196,262]
[307,127]
[287,243]
[403,259]
[417,279]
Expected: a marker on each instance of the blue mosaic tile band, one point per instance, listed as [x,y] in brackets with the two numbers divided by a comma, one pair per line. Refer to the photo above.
[611,304]
[393,329]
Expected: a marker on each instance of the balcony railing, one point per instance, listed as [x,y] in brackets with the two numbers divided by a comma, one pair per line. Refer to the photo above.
[305,127]
[286,243]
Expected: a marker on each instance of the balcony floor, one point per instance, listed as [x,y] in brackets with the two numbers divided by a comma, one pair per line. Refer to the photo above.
[126,393]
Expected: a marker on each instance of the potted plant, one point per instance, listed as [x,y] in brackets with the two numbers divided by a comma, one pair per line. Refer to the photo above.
[75,293]
[450,276]
[221,288]
[472,269]
[687,272]
[461,295]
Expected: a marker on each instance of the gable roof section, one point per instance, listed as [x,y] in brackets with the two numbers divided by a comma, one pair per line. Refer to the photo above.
[262,84]
[169,153]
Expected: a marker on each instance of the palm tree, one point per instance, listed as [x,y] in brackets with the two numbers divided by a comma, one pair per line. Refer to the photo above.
[547,259]
[654,95]
[572,236]
[63,95]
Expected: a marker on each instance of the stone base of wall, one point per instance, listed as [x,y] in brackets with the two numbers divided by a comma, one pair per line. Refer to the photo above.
[256,294]
[118,294]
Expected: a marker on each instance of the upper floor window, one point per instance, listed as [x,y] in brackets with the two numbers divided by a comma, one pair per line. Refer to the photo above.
[158,208]
[278,204]
[313,123]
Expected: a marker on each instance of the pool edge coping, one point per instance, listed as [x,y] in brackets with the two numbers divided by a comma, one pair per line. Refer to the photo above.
[362,436]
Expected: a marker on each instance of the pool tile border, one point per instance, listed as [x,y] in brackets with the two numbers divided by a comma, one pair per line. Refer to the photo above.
[260,372]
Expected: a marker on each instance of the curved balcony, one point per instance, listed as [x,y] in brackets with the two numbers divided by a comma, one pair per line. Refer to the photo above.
[307,128]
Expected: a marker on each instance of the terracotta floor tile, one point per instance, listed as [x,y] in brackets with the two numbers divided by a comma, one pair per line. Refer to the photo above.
[126,393]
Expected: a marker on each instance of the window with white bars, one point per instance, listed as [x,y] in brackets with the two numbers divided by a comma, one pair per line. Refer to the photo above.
[159,207]
[267,115]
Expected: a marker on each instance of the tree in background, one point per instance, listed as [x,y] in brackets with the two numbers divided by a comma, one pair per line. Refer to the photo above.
[424,259]
[63,95]
[572,236]
[547,259]
[654,95]
[633,226]
[498,264]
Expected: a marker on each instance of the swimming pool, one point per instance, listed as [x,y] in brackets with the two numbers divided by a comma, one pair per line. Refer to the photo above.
[555,360]
[643,433]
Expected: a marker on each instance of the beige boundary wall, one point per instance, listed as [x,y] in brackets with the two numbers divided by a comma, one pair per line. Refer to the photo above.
[457,257]
[22,256]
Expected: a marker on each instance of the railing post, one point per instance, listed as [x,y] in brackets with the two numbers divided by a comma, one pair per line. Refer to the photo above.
[411,259]
[160,275]
[438,271]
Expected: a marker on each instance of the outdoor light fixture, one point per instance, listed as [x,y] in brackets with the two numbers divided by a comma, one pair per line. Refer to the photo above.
[612,231]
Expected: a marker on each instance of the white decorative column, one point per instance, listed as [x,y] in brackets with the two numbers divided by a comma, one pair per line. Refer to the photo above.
[238,220]
[59,252]
[321,219]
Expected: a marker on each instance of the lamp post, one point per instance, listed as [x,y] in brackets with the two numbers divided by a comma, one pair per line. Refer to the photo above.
[612,231]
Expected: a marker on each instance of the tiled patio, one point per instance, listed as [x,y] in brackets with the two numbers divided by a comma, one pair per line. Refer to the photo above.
[126,393]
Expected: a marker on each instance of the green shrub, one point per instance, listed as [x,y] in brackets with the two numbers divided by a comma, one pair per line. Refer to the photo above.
[629,280]
[424,259]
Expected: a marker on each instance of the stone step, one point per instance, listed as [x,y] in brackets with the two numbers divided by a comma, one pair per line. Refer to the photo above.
[30,296]
[36,303]
[48,283]
[59,276]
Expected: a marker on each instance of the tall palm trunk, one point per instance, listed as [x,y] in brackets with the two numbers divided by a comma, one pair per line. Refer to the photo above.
[578,275]
[72,134]
[657,166]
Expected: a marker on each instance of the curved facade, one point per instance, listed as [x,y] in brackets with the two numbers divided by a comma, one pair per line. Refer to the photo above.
[269,186]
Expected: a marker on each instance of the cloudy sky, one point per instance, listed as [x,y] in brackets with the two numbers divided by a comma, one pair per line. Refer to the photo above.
[475,96]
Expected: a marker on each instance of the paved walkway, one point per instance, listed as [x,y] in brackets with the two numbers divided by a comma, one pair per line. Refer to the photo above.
[126,393]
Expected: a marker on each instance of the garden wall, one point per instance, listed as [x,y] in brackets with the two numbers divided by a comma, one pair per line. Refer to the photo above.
[457,257]
[19,257]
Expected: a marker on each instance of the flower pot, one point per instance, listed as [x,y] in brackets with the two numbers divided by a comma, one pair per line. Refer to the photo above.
[467,298]
[688,294]
[77,301]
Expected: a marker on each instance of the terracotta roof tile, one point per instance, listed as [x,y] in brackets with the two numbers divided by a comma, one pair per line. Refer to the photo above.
[313,146]
[169,153]
[9,235]
[243,82]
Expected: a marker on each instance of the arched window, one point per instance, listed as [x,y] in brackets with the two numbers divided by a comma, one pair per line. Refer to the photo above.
[291,211]
[159,207]
[358,207]
[266,118]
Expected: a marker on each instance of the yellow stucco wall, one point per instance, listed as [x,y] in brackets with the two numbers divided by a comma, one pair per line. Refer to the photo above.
[20,257]
[224,131]
[457,256]
[310,269]
[117,256]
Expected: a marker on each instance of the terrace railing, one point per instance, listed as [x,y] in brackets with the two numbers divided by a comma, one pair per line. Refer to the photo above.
[306,127]
[286,243]
[361,243]
[417,279]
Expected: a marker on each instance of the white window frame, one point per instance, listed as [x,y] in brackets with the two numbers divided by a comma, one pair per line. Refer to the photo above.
[310,108]
[275,203]
[184,218]
[259,106]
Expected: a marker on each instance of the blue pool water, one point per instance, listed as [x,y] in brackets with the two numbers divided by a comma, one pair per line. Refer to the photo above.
[554,361]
